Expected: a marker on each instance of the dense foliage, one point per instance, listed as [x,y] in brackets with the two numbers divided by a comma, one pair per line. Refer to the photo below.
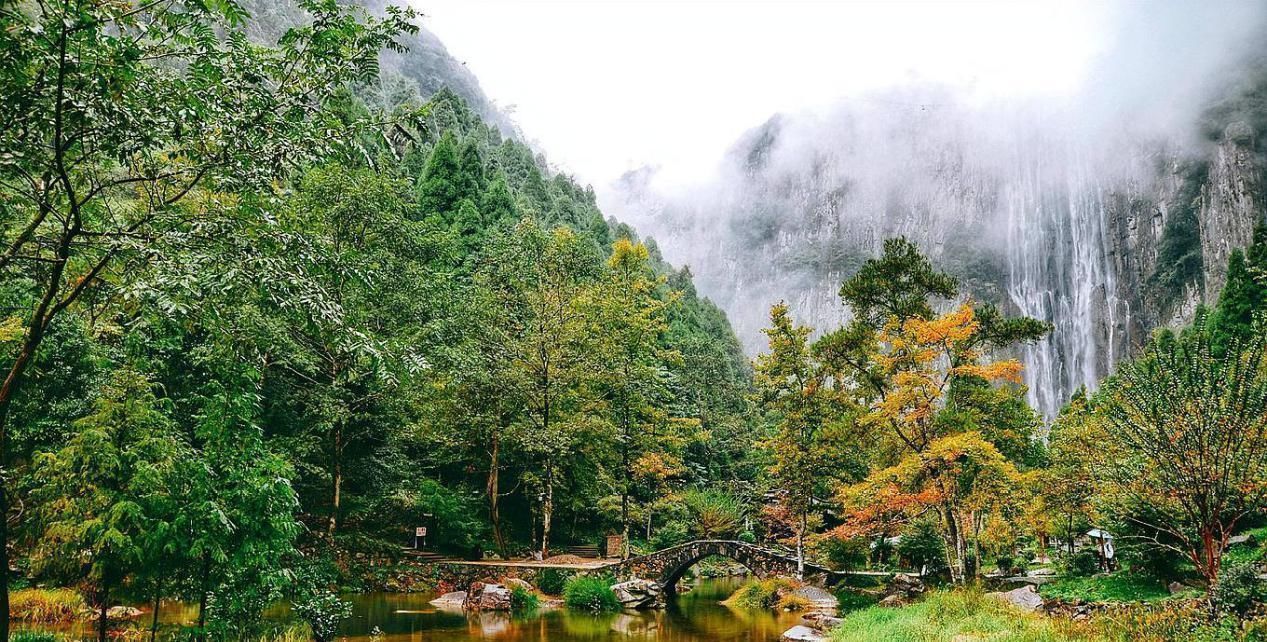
[256,311]
[264,311]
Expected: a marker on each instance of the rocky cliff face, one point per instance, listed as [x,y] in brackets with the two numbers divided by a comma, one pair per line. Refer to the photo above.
[1105,234]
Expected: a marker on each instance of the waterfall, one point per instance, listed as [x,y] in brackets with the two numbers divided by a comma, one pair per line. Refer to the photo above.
[1060,271]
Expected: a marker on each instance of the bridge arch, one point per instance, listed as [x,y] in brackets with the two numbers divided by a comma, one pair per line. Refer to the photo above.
[667,566]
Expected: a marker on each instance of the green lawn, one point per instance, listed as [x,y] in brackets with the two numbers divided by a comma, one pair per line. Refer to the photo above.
[952,616]
[1118,587]
[969,616]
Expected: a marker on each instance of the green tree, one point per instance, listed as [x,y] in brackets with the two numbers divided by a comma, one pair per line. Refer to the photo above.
[629,323]
[790,385]
[1190,426]
[104,496]
[1244,295]
[539,279]
[94,122]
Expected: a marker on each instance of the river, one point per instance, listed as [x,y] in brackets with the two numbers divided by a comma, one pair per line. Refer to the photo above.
[695,616]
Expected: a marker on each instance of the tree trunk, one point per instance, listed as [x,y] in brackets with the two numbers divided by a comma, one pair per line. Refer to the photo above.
[202,599]
[954,546]
[494,515]
[800,546]
[158,592]
[337,475]
[547,510]
[4,560]
[7,389]
[103,623]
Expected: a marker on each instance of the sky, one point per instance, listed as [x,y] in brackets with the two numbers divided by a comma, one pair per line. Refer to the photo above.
[604,86]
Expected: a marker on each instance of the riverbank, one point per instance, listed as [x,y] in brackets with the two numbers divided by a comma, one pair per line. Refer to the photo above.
[966,615]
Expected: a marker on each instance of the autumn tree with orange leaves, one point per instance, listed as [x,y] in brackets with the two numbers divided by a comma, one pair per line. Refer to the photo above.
[944,427]
[947,466]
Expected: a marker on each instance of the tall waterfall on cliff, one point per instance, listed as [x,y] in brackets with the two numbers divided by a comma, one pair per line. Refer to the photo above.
[1059,271]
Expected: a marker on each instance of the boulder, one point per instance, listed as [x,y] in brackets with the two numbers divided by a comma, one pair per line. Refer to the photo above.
[892,601]
[455,599]
[800,633]
[487,597]
[1177,587]
[122,613]
[821,621]
[639,594]
[818,598]
[514,583]
[1241,540]
[905,585]
[1024,598]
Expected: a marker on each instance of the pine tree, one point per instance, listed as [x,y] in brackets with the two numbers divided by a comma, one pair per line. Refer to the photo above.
[441,188]
[1244,295]
[498,204]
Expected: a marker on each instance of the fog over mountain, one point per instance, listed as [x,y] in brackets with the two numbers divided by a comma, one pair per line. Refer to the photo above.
[1108,212]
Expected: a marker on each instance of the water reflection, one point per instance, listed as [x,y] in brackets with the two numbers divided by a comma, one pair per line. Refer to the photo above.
[695,616]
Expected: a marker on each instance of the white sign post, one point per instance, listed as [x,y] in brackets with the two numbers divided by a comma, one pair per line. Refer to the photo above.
[420,534]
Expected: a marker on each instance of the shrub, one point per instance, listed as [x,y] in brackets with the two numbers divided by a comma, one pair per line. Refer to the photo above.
[523,600]
[46,605]
[1004,564]
[714,514]
[748,537]
[33,636]
[323,611]
[922,547]
[761,594]
[671,534]
[845,554]
[552,580]
[1238,589]
[590,594]
[1081,564]
[793,603]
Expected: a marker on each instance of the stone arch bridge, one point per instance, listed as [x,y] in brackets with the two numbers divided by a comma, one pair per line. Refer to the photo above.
[667,566]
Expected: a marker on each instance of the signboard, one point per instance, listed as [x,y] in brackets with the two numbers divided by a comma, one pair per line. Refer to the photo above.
[421,531]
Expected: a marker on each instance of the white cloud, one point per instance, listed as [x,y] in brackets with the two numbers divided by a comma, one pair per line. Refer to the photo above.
[609,85]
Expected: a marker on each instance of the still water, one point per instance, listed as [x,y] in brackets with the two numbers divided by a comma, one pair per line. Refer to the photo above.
[695,616]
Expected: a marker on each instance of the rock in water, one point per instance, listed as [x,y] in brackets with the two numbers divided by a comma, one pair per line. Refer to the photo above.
[122,613]
[639,594]
[801,633]
[1024,598]
[456,599]
[487,597]
[822,621]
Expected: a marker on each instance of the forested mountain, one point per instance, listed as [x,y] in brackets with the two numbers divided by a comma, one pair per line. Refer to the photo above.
[424,65]
[265,309]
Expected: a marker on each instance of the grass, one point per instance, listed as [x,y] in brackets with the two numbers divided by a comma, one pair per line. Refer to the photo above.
[46,606]
[590,594]
[848,600]
[970,616]
[760,594]
[523,600]
[293,632]
[1118,587]
[952,616]
[33,636]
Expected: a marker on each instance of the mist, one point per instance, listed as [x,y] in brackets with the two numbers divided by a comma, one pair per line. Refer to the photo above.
[1057,205]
